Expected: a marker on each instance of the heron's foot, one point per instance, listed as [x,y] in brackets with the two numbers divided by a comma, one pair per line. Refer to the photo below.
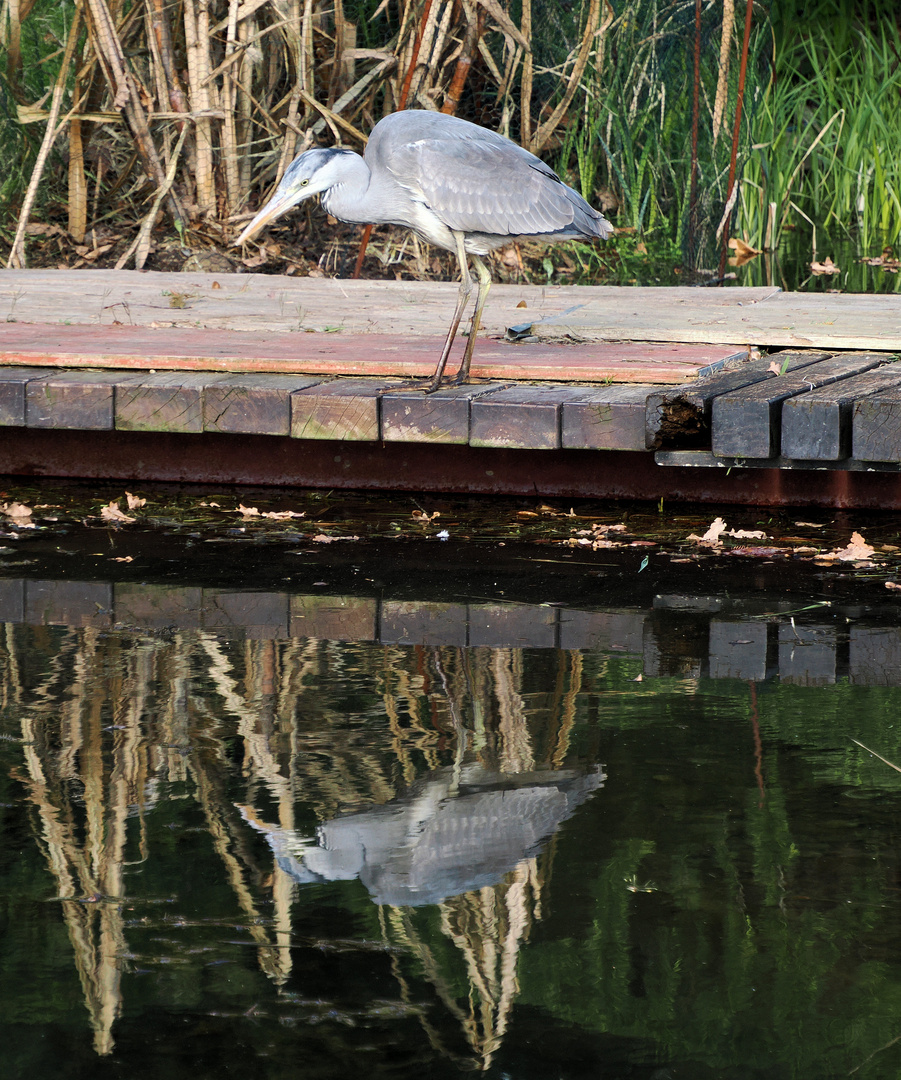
[427,386]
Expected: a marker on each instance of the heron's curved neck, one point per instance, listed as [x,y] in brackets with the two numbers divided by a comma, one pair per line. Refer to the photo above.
[349,199]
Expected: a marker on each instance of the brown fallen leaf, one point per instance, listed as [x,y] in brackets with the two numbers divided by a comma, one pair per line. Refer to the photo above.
[827,266]
[711,538]
[282,515]
[744,253]
[747,534]
[256,260]
[321,538]
[135,502]
[111,512]
[247,511]
[858,548]
[857,551]
[422,518]
[123,558]
[19,512]
[893,584]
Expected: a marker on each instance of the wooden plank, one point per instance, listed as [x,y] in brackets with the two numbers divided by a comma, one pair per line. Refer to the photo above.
[778,320]
[746,423]
[681,418]
[876,427]
[442,417]
[377,355]
[733,316]
[252,404]
[270,302]
[163,401]
[81,400]
[606,418]
[817,425]
[520,417]
[343,409]
[12,393]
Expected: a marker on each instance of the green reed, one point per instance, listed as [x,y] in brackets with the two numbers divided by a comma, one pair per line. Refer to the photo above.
[825,138]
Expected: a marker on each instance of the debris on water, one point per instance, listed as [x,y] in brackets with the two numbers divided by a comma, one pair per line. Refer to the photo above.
[113,514]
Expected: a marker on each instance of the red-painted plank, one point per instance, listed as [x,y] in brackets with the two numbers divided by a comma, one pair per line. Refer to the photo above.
[192,349]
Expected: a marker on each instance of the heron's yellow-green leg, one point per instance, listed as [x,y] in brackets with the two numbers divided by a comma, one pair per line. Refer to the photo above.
[484,275]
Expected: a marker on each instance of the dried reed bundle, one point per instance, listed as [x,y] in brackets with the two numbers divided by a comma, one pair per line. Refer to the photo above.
[192,108]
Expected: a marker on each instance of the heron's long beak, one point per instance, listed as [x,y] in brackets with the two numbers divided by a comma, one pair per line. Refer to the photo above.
[280,203]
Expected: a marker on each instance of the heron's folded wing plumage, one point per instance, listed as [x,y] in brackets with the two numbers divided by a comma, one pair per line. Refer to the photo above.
[490,186]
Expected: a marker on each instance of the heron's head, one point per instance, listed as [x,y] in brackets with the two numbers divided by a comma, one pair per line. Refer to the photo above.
[309,174]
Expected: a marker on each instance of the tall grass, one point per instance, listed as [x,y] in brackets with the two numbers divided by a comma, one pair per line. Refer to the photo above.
[827,133]
[194,109]
[633,139]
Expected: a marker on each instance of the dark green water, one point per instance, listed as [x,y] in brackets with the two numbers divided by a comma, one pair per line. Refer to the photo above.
[402,808]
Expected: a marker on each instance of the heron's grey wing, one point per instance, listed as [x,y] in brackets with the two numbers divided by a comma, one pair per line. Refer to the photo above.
[489,185]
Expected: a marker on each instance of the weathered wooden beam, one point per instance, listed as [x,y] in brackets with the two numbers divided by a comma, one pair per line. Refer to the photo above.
[442,417]
[817,425]
[876,427]
[163,401]
[520,417]
[83,400]
[12,393]
[606,418]
[253,404]
[680,417]
[746,423]
[341,409]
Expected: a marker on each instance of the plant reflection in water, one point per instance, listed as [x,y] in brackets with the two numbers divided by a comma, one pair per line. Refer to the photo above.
[427,858]
[116,725]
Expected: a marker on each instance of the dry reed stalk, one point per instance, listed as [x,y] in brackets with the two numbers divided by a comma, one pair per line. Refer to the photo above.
[78,194]
[417,67]
[722,82]
[525,86]
[247,37]
[431,68]
[12,40]
[306,59]
[229,124]
[126,94]
[468,51]
[335,121]
[356,91]
[196,24]
[593,28]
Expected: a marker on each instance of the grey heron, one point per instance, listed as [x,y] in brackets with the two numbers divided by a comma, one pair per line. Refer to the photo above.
[461,187]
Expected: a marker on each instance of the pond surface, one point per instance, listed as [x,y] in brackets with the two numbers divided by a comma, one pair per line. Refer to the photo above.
[401,813]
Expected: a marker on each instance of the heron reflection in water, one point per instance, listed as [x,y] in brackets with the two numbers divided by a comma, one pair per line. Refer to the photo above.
[456,830]
[461,187]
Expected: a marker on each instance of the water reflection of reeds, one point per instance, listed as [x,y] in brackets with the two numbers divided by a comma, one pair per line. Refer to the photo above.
[115,722]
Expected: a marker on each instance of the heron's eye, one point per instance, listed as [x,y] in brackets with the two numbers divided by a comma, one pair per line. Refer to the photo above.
[304,183]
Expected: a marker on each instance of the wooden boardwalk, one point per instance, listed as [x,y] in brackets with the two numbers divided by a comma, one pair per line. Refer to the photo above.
[673,376]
